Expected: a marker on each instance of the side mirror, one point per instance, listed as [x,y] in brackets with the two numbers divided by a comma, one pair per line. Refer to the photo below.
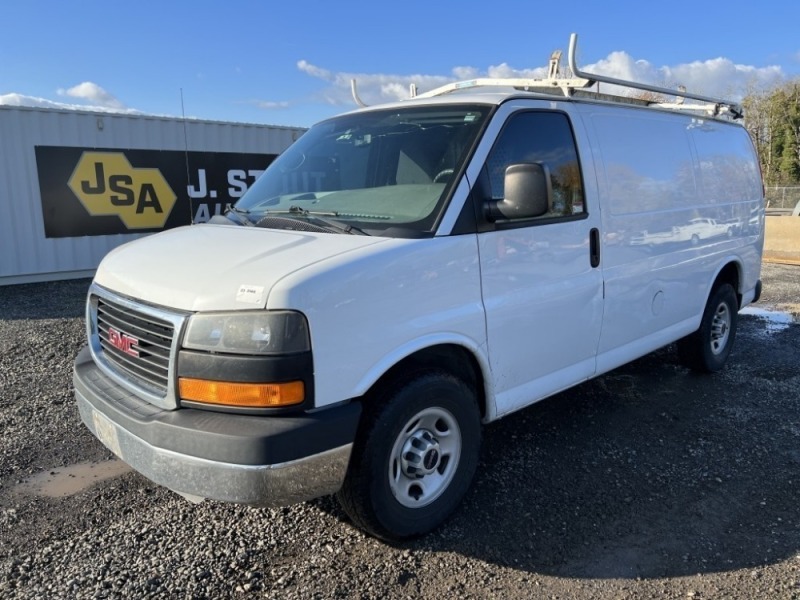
[528,193]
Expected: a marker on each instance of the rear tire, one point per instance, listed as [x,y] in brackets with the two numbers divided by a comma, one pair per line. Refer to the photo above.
[707,349]
[414,457]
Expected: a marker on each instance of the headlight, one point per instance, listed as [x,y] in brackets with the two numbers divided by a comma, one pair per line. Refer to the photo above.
[262,332]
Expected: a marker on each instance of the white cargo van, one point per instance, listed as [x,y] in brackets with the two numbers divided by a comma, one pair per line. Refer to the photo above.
[403,274]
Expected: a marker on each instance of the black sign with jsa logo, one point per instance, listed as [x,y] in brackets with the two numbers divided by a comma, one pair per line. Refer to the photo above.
[90,191]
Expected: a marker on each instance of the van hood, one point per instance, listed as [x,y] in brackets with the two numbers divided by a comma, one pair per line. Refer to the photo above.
[217,267]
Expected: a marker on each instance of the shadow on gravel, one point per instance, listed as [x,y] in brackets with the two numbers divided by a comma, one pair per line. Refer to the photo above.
[649,471]
[51,300]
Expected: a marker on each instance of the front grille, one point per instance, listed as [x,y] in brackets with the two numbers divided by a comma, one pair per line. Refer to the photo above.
[147,338]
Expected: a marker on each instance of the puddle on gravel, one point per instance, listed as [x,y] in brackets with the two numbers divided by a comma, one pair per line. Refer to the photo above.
[775,320]
[66,481]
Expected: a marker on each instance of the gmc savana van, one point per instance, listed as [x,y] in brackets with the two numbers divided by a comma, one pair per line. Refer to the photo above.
[404,273]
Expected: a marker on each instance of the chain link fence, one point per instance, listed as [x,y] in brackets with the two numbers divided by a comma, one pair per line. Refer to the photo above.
[783,198]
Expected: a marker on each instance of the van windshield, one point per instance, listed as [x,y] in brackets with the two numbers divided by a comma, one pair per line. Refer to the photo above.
[383,172]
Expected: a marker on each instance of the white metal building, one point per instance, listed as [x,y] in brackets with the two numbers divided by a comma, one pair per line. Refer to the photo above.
[38,244]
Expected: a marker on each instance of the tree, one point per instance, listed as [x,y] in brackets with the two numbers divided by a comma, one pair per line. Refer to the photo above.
[787,106]
[773,119]
[758,123]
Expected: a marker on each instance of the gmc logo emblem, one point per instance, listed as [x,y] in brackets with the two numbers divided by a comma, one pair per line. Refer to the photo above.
[123,342]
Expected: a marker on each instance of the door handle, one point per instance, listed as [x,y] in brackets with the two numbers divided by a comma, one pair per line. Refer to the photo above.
[594,247]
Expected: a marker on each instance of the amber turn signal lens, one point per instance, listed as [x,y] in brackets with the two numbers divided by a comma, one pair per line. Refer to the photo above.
[246,395]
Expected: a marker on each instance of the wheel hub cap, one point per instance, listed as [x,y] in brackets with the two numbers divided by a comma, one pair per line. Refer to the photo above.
[425,457]
[421,454]
[720,327]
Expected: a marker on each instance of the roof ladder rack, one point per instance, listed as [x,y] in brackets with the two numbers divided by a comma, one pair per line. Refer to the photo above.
[580,80]
[716,106]
[552,81]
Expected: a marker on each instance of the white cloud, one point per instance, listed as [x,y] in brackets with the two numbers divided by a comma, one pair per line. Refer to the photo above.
[94,94]
[504,71]
[620,65]
[715,77]
[15,99]
[462,73]
[373,88]
[270,105]
[310,69]
[718,77]
[94,98]
[722,77]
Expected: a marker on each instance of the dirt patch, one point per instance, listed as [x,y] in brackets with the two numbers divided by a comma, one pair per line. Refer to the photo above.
[66,481]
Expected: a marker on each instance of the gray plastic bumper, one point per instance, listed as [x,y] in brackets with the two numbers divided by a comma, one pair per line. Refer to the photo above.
[318,471]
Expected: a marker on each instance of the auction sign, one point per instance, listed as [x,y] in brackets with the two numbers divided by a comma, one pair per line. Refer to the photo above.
[90,191]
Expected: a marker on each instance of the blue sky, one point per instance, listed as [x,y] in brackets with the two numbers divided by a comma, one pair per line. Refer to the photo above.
[289,63]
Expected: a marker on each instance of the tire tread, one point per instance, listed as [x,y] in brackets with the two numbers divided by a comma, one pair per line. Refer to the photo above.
[355,496]
[693,350]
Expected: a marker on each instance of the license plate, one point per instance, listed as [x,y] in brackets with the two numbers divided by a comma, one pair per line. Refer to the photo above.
[106,432]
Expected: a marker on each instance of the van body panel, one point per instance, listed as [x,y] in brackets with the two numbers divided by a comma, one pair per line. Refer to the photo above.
[539,287]
[671,219]
[544,308]
[202,268]
[370,309]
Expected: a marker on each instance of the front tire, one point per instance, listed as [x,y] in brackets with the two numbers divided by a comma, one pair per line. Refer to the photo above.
[414,457]
[707,349]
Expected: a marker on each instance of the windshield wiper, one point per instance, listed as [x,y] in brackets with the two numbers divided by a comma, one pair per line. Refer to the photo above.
[320,217]
[240,213]
[317,213]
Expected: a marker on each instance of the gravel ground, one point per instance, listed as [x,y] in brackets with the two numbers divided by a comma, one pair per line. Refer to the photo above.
[648,482]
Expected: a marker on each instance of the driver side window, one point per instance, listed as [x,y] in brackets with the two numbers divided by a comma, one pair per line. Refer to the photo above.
[546,138]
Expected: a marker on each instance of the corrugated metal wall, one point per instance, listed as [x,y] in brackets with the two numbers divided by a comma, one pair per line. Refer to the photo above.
[25,253]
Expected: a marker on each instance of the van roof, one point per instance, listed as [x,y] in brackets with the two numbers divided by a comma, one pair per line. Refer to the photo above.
[494,95]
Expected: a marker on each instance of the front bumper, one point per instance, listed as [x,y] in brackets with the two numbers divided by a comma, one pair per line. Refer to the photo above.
[256,460]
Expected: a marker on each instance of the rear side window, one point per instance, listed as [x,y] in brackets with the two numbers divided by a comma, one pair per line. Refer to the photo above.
[545,138]
[727,163]
[648,162]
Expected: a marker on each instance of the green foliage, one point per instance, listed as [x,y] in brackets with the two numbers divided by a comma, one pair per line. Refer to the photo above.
[773,119]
